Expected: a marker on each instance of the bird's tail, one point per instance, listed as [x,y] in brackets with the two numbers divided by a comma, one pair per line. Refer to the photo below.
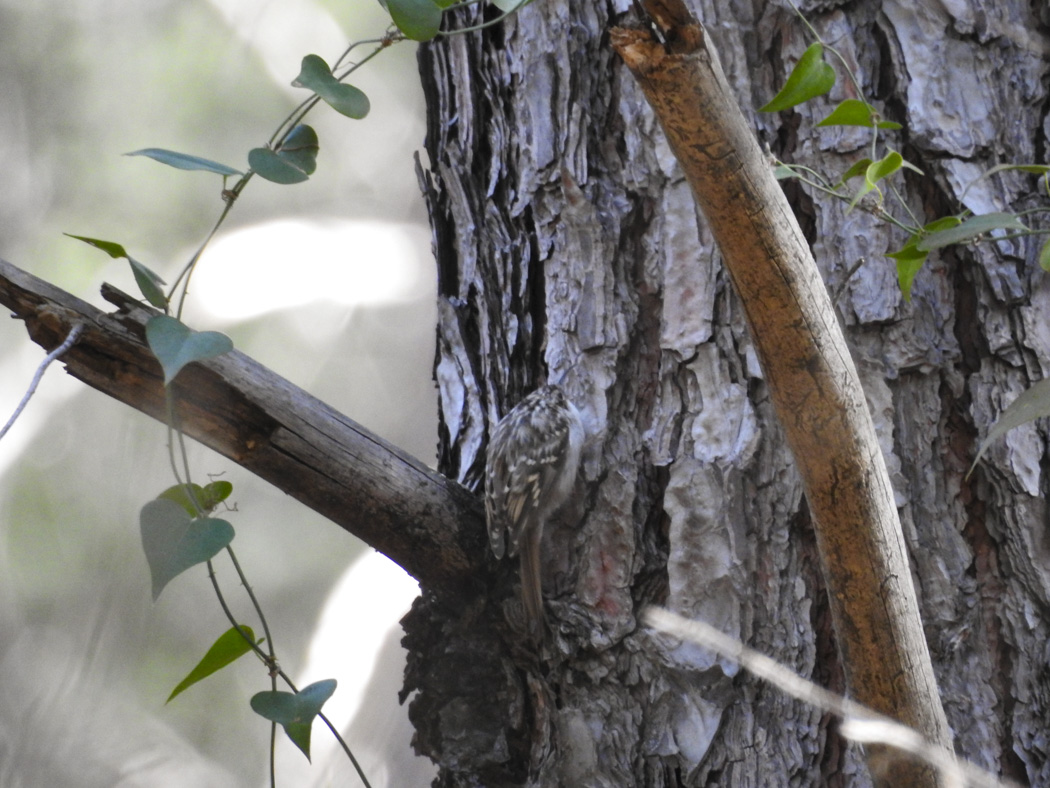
[531,585]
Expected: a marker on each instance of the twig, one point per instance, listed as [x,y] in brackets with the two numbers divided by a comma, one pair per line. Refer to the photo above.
[58,351]
[860,723]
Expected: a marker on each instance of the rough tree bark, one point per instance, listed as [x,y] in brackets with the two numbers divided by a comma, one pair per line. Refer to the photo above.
[567,245]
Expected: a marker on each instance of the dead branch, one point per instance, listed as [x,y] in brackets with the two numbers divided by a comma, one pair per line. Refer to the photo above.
[429,525]
[812,380]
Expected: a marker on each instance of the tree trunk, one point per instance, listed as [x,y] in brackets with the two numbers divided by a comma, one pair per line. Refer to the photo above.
[567,245]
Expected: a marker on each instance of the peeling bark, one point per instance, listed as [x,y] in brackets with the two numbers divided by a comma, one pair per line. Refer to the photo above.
[569,249]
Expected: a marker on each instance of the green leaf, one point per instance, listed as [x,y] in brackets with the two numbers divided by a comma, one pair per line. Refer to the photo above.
[315,75]
[782,172]
[149,284]
[273,167]
[300,148]
[854,112]
[1033,403]
[419,20]
[295,713]
[910,258]
[1044,256]
[884,167]
[909,263]
[183,161]
[810,77]
[970,229]
[230,647]
[208,497]
[856,169]
[175,344]
[113,249]
[173,542]
[875,172]
[293,162]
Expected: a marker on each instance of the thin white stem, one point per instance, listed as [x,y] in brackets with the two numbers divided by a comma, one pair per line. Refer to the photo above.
[58,351]
[859,723]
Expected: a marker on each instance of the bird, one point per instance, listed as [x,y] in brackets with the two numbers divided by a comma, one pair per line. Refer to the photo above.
[530,470]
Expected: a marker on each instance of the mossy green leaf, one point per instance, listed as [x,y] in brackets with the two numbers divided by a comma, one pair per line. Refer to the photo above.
[229,647]
[857,169]
[810,77]
[207,497]
[875,172]
[1044,256]
[854,112]
[112,248]
[909,263]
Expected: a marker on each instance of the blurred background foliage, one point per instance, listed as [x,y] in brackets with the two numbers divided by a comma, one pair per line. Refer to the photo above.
[81,645]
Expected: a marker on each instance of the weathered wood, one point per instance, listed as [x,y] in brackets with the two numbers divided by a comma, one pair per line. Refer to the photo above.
[429,525]
[813,381]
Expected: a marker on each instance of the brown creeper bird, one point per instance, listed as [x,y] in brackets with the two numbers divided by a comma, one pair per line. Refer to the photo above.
[533,456]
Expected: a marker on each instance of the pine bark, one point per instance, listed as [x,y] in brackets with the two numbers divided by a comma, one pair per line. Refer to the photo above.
[569,249]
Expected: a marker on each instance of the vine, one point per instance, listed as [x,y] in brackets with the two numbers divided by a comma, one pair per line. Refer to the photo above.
[813,76]
[178,528]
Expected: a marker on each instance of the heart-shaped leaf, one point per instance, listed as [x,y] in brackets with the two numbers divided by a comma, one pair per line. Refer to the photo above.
[810,77]
[419,20]
[175,344]
[230,646]
[315,75]
[183,161]
[295,713]
[910,258]
[274,168]
[875,172]
[293,162]
[207,497]
[173,542]
[300,148]
[854,112]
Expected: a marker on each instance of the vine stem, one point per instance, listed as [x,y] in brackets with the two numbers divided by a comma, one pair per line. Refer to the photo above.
[270,660]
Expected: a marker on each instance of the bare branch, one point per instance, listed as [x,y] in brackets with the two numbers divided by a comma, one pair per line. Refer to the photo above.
[813,382]
[426,523]
[860,723]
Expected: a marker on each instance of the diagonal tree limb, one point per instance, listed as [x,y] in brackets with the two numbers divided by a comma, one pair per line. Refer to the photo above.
[812,380]
[428,524]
